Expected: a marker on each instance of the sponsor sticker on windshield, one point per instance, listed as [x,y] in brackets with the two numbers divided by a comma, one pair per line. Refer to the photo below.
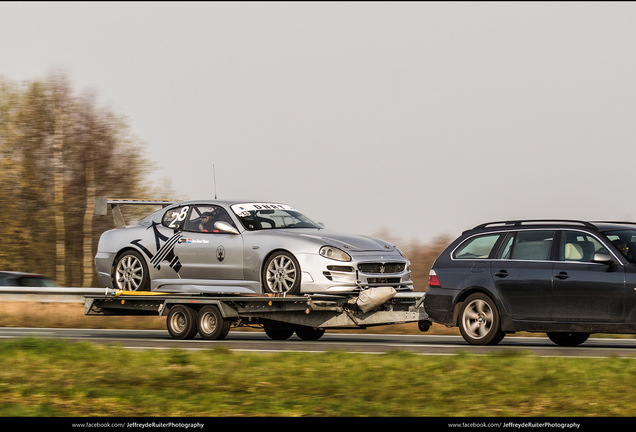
[245,209]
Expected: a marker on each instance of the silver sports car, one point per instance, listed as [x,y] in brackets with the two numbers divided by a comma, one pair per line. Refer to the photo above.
[244,247]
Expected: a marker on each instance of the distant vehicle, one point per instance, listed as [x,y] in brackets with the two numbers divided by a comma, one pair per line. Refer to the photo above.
[565,278]
[9,278]
[238,247]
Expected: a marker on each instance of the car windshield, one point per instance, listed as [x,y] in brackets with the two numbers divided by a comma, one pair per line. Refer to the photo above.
[625,241]
[261,216]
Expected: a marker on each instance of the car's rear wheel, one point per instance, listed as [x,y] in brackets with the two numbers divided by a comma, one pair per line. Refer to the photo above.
[182,322]
[281,274]
[130,272]
[568,339]
[479,321]
[211,324]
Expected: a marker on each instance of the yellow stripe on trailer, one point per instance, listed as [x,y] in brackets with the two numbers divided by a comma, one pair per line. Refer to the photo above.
[118,293]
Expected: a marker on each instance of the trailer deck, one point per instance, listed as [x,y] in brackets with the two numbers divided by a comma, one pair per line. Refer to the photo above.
[309,316]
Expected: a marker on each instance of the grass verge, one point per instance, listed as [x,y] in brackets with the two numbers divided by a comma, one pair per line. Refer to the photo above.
[58,378]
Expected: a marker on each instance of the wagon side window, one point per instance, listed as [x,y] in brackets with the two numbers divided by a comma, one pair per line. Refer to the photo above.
[479,247]
[579,246]
[532,245]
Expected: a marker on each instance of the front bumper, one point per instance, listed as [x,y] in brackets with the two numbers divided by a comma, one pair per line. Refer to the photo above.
[321,275]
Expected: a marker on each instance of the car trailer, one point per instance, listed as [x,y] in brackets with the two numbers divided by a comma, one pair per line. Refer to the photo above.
[212,315]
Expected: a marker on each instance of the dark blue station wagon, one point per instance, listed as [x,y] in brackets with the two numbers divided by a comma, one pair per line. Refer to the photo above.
[565,278]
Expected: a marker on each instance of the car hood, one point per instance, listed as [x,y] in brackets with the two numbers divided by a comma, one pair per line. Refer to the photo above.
[349,242]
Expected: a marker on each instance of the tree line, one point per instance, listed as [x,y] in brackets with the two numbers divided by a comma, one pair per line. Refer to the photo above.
[58,151]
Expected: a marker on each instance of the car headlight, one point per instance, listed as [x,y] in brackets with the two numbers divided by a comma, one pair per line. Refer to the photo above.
[334,253]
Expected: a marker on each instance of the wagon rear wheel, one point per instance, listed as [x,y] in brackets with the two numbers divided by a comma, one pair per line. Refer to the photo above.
[479,321]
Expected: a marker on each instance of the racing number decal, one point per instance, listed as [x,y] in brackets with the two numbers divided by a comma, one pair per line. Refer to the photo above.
[180,217]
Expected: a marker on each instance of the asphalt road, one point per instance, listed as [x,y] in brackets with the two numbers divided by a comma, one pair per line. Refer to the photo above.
[352,342]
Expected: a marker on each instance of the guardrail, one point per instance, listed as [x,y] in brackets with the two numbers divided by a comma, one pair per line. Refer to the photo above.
[40,294]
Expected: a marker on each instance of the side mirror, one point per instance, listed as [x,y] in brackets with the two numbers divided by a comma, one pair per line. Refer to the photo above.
[602,258]
[225,227]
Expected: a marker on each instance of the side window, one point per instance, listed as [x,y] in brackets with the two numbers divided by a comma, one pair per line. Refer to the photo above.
[579,246]
[477,247]
[532,245]
[174,218]
[203,217]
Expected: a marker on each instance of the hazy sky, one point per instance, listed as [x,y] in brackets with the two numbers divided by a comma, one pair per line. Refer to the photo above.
[411,119]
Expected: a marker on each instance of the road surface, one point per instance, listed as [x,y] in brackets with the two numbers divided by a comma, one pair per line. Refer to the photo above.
[352,342]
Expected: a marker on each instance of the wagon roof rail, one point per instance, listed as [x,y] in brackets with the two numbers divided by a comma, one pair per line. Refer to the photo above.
[536,222]
[102,205]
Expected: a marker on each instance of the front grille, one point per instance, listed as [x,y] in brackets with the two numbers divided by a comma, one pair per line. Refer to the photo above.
[381,268]
[347,269]
[383,280]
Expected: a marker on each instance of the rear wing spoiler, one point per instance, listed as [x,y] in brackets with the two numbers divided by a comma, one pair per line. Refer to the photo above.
[102,205]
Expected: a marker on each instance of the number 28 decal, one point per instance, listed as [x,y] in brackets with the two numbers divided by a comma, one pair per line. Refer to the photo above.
[179,216]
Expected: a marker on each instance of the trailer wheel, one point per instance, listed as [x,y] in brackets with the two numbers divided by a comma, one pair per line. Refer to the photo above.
[309,333]
[278,332]
[211,324]
[181,322]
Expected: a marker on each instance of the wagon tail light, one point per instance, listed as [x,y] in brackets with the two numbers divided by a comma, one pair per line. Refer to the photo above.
[433,280]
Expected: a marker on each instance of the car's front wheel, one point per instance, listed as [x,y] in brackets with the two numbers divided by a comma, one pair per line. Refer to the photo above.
[568,339]
[479,321]
[130,272]
[281,274]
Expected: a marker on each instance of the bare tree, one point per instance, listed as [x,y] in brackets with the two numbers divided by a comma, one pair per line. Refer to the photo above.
[58,151]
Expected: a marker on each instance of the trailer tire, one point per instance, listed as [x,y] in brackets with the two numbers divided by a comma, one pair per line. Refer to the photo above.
[211,324]
[309,333]
[181,322]
[278,332]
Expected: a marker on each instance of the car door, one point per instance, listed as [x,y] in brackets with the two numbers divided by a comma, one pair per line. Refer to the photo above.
[205,252]
[585,291]
[522,274]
